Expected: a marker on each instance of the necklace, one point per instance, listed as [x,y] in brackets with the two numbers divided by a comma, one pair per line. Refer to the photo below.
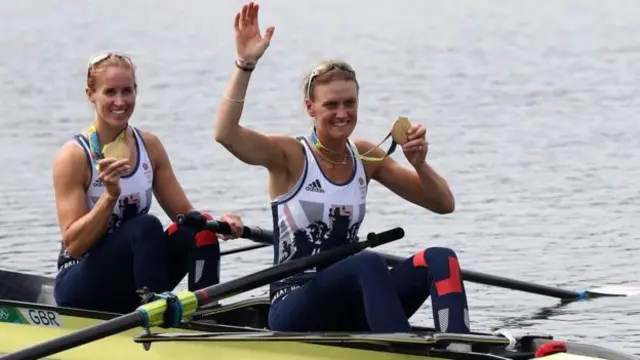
[398,135]
[342,162]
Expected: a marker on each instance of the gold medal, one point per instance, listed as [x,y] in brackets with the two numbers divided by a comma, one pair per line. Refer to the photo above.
[116,149]
[399,130]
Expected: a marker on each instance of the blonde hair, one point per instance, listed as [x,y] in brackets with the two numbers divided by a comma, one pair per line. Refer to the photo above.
[325,72]
[106,60]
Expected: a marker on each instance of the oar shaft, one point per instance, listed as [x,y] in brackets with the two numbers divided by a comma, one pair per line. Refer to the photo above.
[477,277]
[243,249]
[72,340]
[499,281]
[493,280]
[266,237]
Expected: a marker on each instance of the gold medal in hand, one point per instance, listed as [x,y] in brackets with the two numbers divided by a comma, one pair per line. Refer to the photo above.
[399,130]
[117,150]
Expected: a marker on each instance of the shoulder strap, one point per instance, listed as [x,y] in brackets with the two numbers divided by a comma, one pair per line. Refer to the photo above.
[82,142]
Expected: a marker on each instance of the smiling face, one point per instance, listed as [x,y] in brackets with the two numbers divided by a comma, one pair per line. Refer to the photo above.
[111,88]
[332,100]
[335,108]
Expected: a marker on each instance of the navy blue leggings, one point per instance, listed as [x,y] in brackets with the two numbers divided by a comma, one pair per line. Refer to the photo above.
[360,293]
[138,253]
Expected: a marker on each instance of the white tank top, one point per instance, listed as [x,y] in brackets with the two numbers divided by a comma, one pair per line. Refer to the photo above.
[136,194]
[316,215]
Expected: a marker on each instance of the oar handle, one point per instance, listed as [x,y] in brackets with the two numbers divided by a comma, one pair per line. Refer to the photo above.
[220,227]
[377,239]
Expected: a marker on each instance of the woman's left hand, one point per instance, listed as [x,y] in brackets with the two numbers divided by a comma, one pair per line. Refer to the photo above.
[415,150]
[236,226]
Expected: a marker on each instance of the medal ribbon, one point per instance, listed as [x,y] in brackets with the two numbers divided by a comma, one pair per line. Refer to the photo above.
[318,145]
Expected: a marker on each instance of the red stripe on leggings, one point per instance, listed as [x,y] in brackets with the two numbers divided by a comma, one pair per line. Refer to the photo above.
[452,284]
[419,259]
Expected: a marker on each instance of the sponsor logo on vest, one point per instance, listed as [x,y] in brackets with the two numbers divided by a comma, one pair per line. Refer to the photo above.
[315,187]
[98,183]
[148,172]
[363,188]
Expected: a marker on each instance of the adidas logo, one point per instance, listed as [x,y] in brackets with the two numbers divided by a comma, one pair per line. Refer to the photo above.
[315,186]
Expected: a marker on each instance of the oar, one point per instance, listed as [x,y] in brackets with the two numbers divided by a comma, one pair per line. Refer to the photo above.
[499,281]
[184,304]
[196,222]
[265,238]
[257,234]
[243,249]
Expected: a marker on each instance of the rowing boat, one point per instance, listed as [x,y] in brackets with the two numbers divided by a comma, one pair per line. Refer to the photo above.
[239,330]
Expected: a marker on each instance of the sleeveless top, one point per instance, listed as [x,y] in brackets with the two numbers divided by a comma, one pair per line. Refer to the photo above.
[136,193]
[316,215]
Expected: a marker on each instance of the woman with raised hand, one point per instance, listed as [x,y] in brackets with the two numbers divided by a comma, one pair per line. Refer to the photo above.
[318,186]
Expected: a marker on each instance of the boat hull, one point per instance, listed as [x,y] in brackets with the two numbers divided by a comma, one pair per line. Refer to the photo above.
[29,316]
[123,347]
[24,325]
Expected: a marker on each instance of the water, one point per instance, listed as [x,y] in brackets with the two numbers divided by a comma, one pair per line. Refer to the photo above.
[530,108]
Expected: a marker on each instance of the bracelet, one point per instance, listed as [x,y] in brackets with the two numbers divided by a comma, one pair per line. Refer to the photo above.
[224,96]
[245,65]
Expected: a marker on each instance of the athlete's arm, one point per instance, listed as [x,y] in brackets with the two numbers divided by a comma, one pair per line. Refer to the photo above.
[422,186]
[247,145]
[166,188]
[79,228]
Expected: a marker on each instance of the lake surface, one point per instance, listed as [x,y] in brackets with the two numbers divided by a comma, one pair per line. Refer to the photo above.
[531,109]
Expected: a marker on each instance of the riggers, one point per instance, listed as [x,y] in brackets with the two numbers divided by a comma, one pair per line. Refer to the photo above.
[138,253]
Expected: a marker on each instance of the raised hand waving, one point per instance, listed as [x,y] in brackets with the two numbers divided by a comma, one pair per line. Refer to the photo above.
[250,44]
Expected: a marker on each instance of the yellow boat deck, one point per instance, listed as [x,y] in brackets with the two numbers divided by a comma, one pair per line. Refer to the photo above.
[122,346]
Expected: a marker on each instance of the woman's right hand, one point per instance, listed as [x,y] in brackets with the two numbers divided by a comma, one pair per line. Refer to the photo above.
[250,44]
[110,172]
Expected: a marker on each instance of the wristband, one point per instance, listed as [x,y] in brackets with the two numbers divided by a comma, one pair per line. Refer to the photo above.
[245,65]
